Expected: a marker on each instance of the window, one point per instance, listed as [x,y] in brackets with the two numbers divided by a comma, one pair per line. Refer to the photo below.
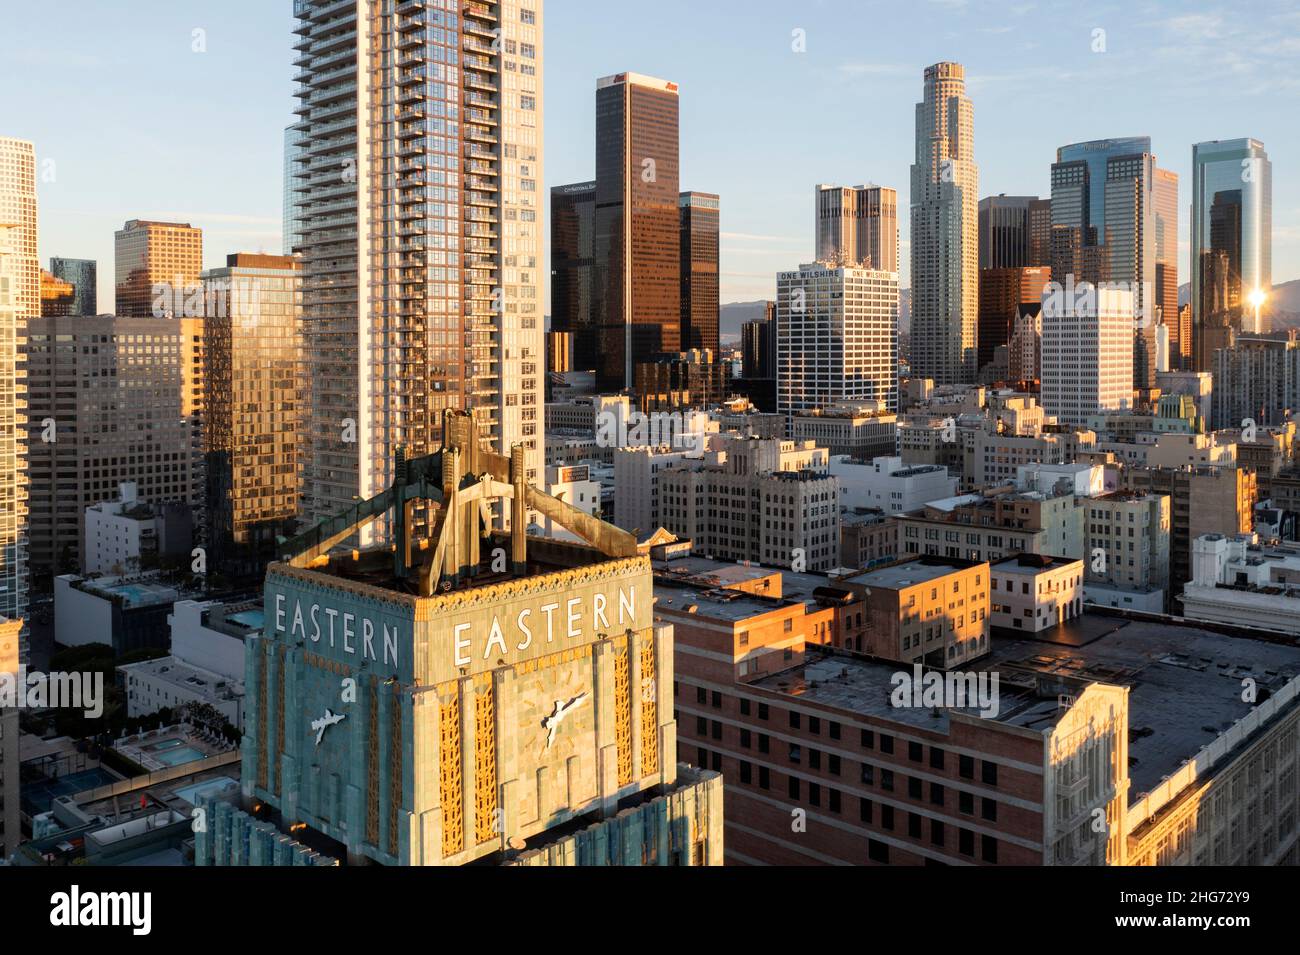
[914,825]
[868,739]
[868,774]
[716,701]
[966,842]
[814,725]
[936,758]
[914,752]
[966,803]
[833,799]
[936,832]
[877,851]
[744,706]
[814,759]
[794,787]
[762,711]
[990,773]
[835,730]
[833,764]
[746,772]
[887,780]
[701,726]
[794,720]
[745,739]
[864,810]
[913,787]
[796,753]
[886,744]
[989,809]
[989,848]
[717,730]
[764,778]
[815,794]
[701,695]
[966,767]
[936,794]
[887,817]
[763,743]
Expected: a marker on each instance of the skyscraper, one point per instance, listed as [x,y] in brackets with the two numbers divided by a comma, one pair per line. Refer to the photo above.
[1232,243]
[291,227]
[837,337]
[857,225]
[252,403]
[116,392]
[1003,293]
[945,255]
[638,231]
[20,289]
[1014,232]
[83,274]
[421,244]
[699,271]
[573,221]
[149,254]
[1115,219]
[1086,361]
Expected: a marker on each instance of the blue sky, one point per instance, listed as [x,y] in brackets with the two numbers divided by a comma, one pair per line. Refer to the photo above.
[138,125]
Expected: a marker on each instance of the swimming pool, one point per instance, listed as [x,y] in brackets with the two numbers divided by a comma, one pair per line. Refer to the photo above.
[213,787]
[177,755]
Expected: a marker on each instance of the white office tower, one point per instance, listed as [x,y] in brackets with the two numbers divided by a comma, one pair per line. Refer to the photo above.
[1087,351]
[836,337]
[419,200]
[945,230]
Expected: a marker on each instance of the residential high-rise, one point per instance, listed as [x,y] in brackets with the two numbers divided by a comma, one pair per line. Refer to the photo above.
[573,225]
[1014,232]
[1003,292]
[1256,379]
[837,337]
[83,275]
[252,403]
[699,271]
[1086,362]
[291,228]
[945,247]
[20,304]
[1232,243]
[105,405]
[857,225]
[638,231]
[421,246]
[150,254]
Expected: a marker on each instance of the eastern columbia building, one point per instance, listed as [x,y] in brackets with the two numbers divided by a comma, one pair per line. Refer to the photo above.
[479,696]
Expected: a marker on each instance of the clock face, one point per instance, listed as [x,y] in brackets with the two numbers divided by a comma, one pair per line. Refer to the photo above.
[556,710]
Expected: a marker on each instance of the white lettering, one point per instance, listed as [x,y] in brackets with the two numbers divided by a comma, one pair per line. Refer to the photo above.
[348,632]
[461,660]
[598,610]
[297,618]
[390,644]
[331,613]
[497,637]
[528,634]
[574,617]
[315,623]
[368,638]
[549,610]
[626,603]
[279,613]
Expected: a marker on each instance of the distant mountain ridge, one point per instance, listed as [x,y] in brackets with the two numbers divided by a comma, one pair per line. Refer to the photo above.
[733,315]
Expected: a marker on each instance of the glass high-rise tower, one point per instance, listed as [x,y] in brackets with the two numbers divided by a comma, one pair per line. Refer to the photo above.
[945,253]
[1232,243]
[84,276]
[419,197]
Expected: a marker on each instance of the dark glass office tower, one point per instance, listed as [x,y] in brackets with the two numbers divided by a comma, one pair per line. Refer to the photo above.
[699,270]
[637,238]
[1015,231]
[1232,251]
[573,209]
[83,275]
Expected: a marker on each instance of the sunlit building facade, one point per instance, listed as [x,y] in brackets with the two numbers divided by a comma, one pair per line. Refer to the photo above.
[945,227]
[83,274]
[418,188]
[253,402]
[149,255]
[1232,243]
